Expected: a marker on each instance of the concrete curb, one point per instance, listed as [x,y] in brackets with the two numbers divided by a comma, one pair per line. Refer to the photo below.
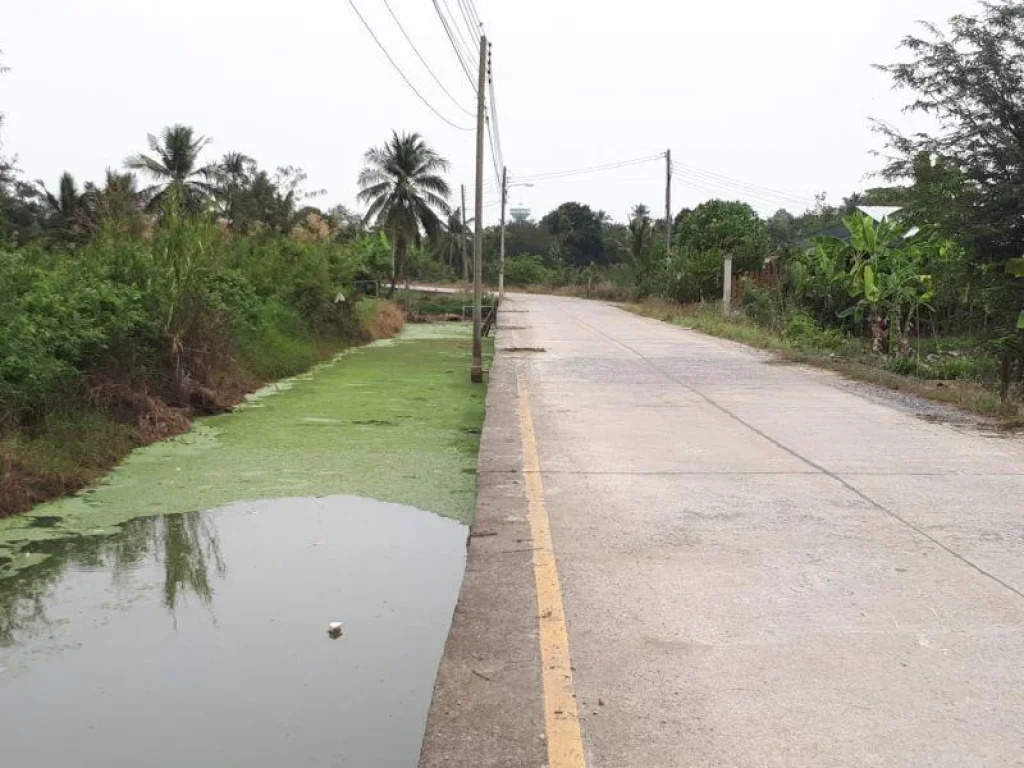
[487,707]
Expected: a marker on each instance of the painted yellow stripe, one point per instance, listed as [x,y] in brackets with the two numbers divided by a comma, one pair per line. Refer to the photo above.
[565,744]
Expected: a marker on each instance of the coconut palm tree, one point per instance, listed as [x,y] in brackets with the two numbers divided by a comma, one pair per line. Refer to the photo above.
[116,204]
[639,230]
[400,182]
[453,242]
[175,168]
[66,207]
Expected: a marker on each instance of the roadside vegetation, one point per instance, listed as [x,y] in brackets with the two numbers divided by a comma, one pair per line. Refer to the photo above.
[172,288]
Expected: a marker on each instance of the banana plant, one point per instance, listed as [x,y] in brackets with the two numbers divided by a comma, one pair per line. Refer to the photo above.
[887,278]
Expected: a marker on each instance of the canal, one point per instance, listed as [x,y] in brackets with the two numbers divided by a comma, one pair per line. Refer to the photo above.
[178,612]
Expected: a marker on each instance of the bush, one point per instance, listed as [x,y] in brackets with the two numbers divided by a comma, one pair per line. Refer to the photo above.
[943,368]
[763,305]
[528,269]
[804,332]
[379,318]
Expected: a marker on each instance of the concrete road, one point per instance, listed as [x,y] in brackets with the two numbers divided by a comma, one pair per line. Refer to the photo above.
[757,564]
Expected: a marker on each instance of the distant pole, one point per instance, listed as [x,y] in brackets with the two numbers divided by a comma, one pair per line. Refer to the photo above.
[668,202]
[465,256]
[477,372]
[727,285]
[501,246]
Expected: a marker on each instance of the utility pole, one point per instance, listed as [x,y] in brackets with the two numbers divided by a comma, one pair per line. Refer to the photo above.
[465,256]
[668,202]
[501,246]
[477,372]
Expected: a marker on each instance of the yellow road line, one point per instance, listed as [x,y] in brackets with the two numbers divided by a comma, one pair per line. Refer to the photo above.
[565,744]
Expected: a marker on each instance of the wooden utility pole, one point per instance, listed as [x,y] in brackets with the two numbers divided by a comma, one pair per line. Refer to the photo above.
[668,202]
[501,241]
[477,372]
[465,256]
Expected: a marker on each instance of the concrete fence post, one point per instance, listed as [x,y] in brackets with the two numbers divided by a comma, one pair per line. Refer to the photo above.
[727,285]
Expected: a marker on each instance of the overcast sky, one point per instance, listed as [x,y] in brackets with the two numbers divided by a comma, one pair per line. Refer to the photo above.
[775,95]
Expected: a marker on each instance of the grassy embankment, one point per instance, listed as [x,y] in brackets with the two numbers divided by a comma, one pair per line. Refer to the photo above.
[397,421]
[949,370]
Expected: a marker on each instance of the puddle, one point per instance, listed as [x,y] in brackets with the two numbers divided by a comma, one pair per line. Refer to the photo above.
[201,638]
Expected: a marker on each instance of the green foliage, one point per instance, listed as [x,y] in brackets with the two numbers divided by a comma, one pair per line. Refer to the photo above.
[402,185]
[577,233]
[723,228]
[171,311]
[528,269]
[693,274]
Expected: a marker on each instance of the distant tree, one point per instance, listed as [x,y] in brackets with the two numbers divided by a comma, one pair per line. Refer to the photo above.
[402,185]
[578,235]
[639,230]
[65,208]
[727,228]
[781,229]
[454,241]
[116,205]
[174,165]
[252,199]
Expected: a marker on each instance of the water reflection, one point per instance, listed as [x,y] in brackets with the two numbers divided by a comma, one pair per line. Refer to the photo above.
[186,545]
[110,644]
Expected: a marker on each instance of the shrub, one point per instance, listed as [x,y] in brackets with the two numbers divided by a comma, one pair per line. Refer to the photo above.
[803,331]
[379,318]
[528,269]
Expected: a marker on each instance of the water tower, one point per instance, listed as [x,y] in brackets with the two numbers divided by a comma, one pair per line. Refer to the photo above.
[519,213]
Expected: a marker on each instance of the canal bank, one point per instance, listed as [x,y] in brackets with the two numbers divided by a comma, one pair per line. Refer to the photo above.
[338,495]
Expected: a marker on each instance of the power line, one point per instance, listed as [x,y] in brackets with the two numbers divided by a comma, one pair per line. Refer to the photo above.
[494,110]
[723,190]
[423,61]
[471,6]
[494,155]
[459,53]
[400,72]
[473,29]
[468,50]
[591,169]
[727,180]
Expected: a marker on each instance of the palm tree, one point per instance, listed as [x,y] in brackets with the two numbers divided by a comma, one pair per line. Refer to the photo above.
[454,240]
[66,207]
[115,204]
[176,169]
[405,193]
[639,230]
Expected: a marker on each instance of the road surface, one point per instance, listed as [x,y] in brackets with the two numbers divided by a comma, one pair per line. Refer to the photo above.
[748,564]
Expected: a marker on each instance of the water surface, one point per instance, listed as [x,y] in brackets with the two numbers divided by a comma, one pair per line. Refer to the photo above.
[200,639]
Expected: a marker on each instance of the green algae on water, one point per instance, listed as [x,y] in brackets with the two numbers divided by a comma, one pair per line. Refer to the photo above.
[397,422]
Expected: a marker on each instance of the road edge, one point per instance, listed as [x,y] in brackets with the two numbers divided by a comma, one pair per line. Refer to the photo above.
[487,706]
